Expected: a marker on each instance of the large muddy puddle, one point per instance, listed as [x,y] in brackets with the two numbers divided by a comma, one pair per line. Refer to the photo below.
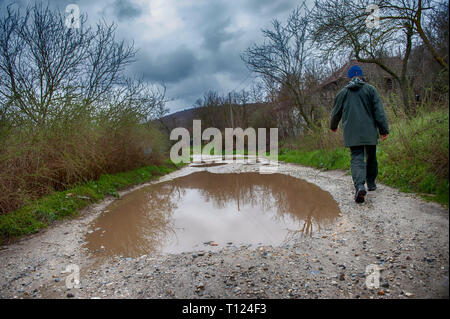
[207,211]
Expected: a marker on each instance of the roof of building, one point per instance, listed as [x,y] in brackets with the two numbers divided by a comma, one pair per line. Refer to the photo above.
[369,69]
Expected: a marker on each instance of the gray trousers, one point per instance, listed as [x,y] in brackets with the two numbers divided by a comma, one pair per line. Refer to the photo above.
[364,171]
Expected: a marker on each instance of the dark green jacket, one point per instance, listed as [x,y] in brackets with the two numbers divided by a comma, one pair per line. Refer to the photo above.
[362,113]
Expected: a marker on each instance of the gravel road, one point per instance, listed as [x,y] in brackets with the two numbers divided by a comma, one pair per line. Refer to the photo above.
[406,238]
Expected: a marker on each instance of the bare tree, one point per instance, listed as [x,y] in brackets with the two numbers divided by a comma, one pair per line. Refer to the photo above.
[48,69]
[436,28]
[242,99]
[341,26]
[38,58]
[105,61]
[418,14]
[135,99]
[282,60]
[257,92]
[209,109]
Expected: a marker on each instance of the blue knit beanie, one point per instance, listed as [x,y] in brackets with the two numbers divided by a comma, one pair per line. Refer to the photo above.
[354,71]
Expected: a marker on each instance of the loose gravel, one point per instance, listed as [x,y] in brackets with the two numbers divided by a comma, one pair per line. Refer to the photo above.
[405,237]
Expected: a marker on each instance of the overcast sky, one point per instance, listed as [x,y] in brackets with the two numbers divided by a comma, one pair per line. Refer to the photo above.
[190,45]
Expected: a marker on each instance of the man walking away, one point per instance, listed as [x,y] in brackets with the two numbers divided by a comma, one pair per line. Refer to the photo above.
[363,117]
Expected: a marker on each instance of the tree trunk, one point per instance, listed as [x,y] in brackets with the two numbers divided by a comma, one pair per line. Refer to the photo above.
[404,90]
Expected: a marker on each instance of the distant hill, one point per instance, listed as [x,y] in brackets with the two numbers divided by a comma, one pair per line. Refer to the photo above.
[184,118]
[179,119]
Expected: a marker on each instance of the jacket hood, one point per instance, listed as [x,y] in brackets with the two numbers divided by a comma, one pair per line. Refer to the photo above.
[355,84]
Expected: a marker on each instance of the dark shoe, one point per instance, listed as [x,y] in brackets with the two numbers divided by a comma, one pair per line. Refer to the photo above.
[371,188]
[359,196]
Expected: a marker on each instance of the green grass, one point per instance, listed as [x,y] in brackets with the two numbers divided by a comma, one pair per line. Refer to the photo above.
[59,205]
[413,177]
[414,159]
[338,158]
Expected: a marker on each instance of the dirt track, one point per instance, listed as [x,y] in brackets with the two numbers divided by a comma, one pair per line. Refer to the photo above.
[407,238]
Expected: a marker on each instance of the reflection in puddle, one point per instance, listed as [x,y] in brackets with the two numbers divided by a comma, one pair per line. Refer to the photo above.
[183,214]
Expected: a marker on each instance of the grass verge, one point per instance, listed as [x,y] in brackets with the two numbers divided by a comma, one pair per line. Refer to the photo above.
[41,213]
[338,158]
[414,159]
[412,178]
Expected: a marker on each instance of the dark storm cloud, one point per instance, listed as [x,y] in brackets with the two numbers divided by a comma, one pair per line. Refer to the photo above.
[169,67]
[124,9]
[211,22]
[259,5]
[216,34]
[192,88]
[190,45]
[270,6]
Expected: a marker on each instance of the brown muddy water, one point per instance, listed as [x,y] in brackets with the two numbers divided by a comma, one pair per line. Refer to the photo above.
[207,211]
